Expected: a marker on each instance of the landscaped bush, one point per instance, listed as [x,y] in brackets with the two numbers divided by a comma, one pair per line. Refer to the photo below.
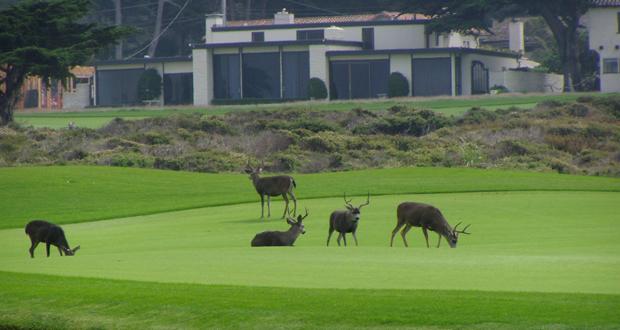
[477,116]
[317,89]
[397,85]
[149,85]
[215,125]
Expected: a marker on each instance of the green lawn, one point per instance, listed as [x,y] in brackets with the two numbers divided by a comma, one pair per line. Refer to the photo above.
[94,118]
[543,253]
[68,194]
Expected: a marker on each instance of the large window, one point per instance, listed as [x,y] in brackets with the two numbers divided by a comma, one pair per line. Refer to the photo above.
[310,34]
[359,79]
[368,38]
[258,36]
[226,76]
[261,75]
[118,87]
[295,75]
[178,88]
[610,65]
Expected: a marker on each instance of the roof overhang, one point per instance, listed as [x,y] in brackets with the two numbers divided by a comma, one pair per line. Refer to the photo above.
[145,60]
[315,25]
[278,43]
[450,50]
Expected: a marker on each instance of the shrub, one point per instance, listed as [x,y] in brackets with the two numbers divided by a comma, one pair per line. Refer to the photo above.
[317,89]
[397,85]
[578,110]
[215,125]
[477,116]
[153,138]
[149,85]
[498,89]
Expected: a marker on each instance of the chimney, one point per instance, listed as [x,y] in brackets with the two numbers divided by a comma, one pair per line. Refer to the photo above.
[516,36]
[284,17]
[212,20]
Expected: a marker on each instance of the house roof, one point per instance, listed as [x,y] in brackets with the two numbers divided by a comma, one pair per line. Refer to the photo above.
[382,16]
[280,43]
[141,60]
[606,3]
[451,50]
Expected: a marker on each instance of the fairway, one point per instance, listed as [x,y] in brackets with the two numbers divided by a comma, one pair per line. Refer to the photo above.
[547,257]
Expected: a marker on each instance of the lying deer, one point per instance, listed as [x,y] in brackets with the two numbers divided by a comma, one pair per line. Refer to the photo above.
[345,221]
[428,217]
[282,238]
[50,234]
[272,186]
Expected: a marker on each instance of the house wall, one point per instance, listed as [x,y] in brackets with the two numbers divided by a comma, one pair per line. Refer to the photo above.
[527,82]
[203,76]
[492,63]
[402,63]
[603,30]
[77,99]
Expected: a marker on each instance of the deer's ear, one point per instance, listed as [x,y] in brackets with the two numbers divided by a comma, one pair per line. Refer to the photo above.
[260,170]
[288,220]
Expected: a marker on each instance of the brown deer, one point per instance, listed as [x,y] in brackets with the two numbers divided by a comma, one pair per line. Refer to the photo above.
[282,238]
[272,186]
[427,217]
[345,221]
[50,234]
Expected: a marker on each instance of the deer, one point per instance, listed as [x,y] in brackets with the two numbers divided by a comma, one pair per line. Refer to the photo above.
[428,217]
[282,238]
[50,234]
[272,186]
[345,221]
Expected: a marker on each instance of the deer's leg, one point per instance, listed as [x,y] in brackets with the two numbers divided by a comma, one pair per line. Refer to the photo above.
[354,238]
[439,240]
[329,235]
[47,249]
[262,206]
[285,206]
[404,233]
[60,251]
[32,247]
[425,236]
[339,237]
[294,202]
[344,238]
[398,226]
[268,206]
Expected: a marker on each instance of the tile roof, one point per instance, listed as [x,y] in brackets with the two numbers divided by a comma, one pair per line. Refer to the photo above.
[383,16]
[606,3]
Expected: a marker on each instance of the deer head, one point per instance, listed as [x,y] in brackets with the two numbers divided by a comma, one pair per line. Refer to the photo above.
[355,211]
[70,252]
[298,224]
[253,171]
[454,235]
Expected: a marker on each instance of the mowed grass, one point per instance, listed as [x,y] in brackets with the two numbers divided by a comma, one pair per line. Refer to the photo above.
[534,259]
[66,194]
[94,118]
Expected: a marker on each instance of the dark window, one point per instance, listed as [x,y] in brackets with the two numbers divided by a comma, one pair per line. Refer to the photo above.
[368,38]
[295,75]
[310,34]
[178,88]
[359,79]
[610,65]
[458,76]
[479,78]
[258,36]
[618,22]
[118,87]
[432,76]
[226,76]
[31,99]
[261,75]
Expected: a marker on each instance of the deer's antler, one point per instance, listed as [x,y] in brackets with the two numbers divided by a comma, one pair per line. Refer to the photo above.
[367,201]
[304,215]
[463,231]
[347,202]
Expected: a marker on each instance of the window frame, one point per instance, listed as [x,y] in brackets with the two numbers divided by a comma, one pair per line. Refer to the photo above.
[258,36]
[370,34]
[606,68]
[304,34]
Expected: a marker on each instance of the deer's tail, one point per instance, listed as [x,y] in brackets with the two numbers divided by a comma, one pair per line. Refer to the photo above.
[294,183]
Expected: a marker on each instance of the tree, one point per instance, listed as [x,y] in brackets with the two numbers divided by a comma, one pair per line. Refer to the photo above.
[562,16]
[46,39]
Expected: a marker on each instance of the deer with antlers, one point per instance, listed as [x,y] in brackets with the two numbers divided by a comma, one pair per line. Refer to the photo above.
[282,238]
[345,221]
[272,186]
[427,217]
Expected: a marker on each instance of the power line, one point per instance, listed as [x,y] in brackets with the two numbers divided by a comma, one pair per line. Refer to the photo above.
[313,7]
[162,32]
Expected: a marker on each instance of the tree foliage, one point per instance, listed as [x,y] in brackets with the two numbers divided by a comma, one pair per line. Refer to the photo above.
[317,89]
[46,39]
[397,85]
[149,85]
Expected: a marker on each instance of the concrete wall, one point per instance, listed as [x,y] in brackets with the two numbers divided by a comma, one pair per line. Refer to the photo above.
[603,27]
[78,99]
[527,82]
[203,76]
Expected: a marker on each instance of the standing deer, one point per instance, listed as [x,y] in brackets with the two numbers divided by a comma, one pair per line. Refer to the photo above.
[428,217]
[50,234]
[282,238]
[345,221]
[272,186]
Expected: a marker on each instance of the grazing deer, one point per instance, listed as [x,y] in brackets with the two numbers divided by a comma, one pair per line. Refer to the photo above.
[272,186]
[50,234]
[345,221]
[282,238]
[428,217]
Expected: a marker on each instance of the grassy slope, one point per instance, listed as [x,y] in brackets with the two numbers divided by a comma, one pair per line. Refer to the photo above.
[81,193]
[449,106]
[32,301]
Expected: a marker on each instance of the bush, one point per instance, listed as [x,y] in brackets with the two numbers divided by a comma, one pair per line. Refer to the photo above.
[397,85]
[498,89]
[215,125]
[578,110]
[317,89]
[477,116]
[149,85]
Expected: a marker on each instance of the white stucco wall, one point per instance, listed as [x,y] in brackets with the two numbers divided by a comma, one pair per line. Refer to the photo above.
[602,24]
[527,82]
[203,76]
[493,63]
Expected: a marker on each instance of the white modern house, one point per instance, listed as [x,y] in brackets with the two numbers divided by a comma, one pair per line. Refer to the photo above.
[603,23]
[272,60]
